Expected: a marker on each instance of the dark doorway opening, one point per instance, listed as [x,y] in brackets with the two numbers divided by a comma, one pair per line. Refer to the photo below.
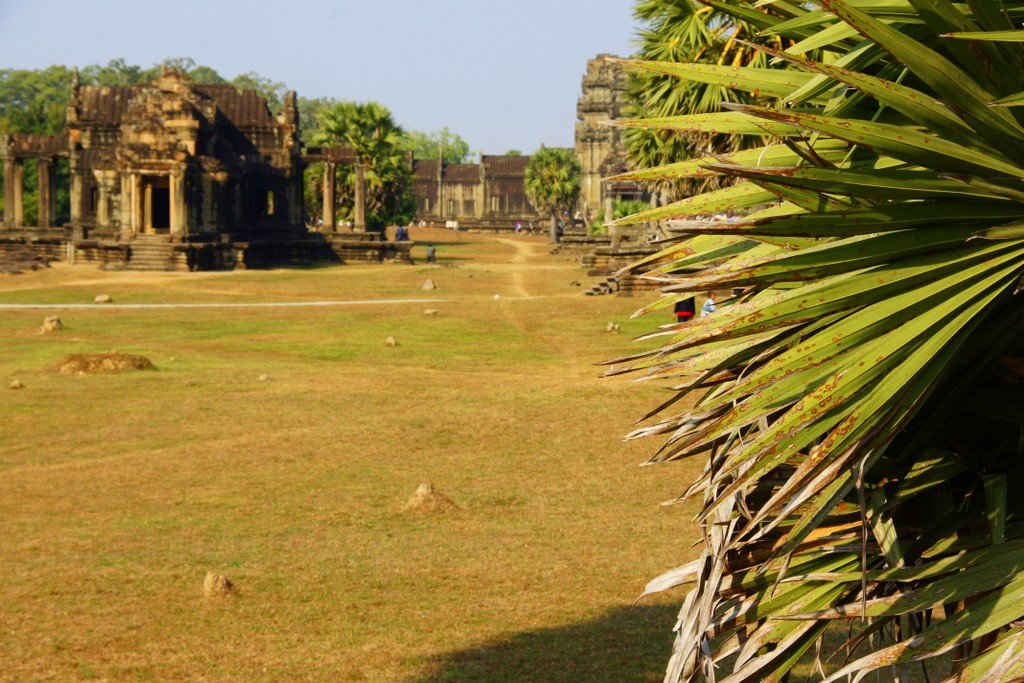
[161,208]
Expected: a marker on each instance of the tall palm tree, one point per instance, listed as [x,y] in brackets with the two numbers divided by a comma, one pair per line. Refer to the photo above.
[370,130]
[552,183]
[860,396]
[683,31]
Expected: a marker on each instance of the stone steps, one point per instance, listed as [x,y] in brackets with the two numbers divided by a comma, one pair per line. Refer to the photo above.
[607,286]
[151,252]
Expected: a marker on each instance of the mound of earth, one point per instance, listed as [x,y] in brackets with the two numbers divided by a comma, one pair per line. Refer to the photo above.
[18,261]
[89,363]
[428,499]
[218,585]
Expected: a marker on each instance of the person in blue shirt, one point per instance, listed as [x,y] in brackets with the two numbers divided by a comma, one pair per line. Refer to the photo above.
[709,305]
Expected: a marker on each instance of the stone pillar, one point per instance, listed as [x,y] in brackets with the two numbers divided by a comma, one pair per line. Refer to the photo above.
[127,202]
[360,198]
[105,189]
[609,206]
[47,200]
[77,196]
[9,174]
[179,207]
[297,202]
[18,193]
[330,222]
[207,217]
[138,205]
[147,209]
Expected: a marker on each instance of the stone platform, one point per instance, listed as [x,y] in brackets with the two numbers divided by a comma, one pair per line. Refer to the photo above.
[161,253]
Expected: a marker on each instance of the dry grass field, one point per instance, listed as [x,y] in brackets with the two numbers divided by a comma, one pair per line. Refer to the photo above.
[119,492]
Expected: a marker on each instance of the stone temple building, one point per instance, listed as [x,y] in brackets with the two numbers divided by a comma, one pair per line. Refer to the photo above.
[490,195]
[169,175]
[598,145]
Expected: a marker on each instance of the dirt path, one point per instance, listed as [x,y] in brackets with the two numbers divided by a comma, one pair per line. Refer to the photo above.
[523,253]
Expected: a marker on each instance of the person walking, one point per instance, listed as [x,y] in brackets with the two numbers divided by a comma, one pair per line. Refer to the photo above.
[431,254]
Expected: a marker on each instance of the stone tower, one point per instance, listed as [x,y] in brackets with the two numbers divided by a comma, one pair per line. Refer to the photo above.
[598,145]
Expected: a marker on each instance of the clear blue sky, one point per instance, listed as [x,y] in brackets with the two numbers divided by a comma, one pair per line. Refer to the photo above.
[503,74]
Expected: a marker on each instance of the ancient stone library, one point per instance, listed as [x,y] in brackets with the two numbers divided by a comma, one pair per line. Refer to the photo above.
[173,175]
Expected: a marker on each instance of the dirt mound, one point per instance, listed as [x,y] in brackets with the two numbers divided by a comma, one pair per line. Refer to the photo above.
[18,261]
[215,585]
[428,499]
[89,363]
[51,323]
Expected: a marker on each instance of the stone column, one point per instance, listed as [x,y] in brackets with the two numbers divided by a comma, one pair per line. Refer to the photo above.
[9,192]
[77,196]
[330,222]
[179,207]
[147,209]
[207,217]
[127,202]
[360,199]
[297,202]
[609,205]
[105,190]
[19,193]
[47,201]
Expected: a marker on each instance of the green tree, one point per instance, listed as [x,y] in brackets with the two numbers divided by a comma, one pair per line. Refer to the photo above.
[429,146]
[115,73]
[683,31]
[310,109]
[860,392]
[552,180]
[514,153]
[270,90]
[370,130]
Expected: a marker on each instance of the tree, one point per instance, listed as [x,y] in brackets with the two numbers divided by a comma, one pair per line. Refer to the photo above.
[683,31]
[369,129]
[860,397]
[552,180]
[310,109]
[429,146]
[271,91]
[514,153]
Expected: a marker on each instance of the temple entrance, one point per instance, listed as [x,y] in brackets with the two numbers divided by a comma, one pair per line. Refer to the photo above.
[161,209]
[156,205]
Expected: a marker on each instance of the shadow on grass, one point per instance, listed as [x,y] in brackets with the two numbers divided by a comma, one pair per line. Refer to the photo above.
[626,644]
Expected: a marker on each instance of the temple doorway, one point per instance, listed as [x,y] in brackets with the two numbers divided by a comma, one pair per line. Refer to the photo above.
[161,209]
[156,205]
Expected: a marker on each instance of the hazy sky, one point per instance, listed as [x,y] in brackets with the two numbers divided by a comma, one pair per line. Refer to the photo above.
[503,74]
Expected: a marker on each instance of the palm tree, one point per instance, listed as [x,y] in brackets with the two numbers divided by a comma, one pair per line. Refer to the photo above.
[683,31]
[552,181]
[860,395]
[369,129]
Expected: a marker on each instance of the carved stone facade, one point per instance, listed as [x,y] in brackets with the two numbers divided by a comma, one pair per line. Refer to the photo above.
[598,145]
[173,175]
[488,195]
[183,160]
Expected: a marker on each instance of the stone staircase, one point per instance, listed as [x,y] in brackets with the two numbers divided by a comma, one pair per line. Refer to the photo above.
[151,252]
[607,286]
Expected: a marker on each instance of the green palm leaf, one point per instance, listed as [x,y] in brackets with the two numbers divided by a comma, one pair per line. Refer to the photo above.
[860,398]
